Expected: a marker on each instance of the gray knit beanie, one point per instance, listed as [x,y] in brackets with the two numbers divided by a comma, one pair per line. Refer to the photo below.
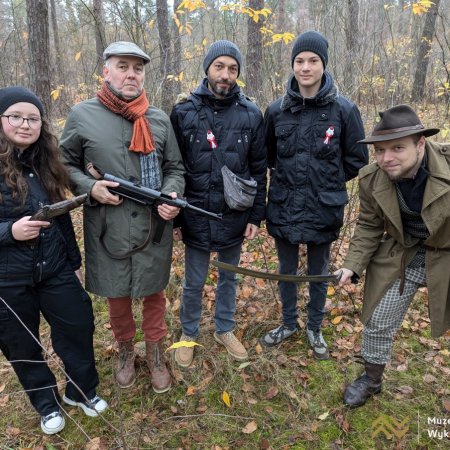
[311,41]
[222,48]
[17,94]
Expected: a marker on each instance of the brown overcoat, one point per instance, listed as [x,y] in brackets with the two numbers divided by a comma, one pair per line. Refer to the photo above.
[379,241]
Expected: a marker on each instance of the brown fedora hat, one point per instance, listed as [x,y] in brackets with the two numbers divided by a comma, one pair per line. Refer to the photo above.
[397,122]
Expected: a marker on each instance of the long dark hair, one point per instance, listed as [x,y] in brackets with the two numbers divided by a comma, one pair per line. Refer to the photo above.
[45,160]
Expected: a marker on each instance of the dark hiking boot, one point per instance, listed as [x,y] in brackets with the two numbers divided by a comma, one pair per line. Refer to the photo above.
[368,384]
[160,375]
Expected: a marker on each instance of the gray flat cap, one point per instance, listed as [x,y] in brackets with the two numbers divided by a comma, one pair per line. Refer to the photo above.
[125,48]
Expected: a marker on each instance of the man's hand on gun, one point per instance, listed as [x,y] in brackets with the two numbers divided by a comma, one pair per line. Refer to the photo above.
[168,212]
[102,194]
[25,229]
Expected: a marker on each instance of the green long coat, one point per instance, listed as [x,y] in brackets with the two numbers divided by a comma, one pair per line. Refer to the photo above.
[95,134]
[379,241]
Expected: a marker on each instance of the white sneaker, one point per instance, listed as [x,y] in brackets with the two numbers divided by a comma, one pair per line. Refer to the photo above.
[52,423]
[92,408]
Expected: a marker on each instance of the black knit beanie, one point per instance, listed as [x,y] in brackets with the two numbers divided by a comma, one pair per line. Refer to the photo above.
[222,48]
[311,41]
[16,94]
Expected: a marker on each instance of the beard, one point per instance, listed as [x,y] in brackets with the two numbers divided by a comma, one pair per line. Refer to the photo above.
[406,172]
[221,91]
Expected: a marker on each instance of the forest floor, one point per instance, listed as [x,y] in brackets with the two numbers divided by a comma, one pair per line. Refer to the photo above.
[280,399]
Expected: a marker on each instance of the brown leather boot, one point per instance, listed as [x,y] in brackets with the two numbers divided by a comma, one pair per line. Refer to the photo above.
[154,356]
[125,372]
[368,384]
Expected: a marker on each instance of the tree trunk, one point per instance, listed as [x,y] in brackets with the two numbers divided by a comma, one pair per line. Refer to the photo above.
[58,66]
[254,53]
[352,40]
[280,60]
[165,54]
[176,60]
[100,43]
[38,48]
[423,55]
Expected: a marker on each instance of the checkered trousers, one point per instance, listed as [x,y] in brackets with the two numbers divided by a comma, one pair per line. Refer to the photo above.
[379,332]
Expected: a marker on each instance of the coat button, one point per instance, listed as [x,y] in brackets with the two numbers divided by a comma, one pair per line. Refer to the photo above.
[392,254]
[31,175]
[134,214]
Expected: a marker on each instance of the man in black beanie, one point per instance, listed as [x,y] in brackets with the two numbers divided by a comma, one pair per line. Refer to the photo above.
[311,134]
[217,114]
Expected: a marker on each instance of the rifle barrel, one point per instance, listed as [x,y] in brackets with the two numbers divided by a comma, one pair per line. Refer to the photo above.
[145,195]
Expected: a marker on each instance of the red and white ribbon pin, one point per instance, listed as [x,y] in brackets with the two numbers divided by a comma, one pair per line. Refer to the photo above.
[211,139]
[328,135]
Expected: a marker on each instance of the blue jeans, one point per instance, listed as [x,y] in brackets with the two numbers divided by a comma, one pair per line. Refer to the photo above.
[318,259]
[196,270]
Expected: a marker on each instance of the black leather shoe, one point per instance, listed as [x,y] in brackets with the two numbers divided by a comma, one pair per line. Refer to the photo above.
[357,393]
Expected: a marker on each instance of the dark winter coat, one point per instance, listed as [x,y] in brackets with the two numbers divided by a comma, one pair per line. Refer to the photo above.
[307,192]
[237,124]
[20,262]
[380,242]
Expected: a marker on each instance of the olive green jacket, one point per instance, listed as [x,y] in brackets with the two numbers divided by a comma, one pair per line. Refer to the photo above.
[379,242]
[95,134]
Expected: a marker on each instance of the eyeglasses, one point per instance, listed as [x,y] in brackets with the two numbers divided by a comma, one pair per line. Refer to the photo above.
[17,121]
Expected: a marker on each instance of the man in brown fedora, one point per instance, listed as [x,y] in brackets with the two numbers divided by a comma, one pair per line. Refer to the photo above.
[402,238]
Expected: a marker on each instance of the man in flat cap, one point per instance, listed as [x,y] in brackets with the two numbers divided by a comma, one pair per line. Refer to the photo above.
[128,246]
[402,238]
[311,134]
[217,114]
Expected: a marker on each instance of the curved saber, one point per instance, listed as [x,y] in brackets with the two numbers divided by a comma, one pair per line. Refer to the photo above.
[276,276]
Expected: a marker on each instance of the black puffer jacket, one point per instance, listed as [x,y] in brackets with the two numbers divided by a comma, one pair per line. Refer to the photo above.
[20,263]
[312,152]
[239,130]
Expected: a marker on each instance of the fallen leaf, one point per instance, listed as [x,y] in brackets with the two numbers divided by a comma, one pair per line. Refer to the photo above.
[324,415]
[191,390]
[226,398]
[242,366]
[258,349]
[406,390]
[271,393]
[93,444]
[446,404]
[4,400]
[183,344]
[428,378]
[12,431]
[264,444]
[336,320]
[343,423]
[2,387]
[250,427]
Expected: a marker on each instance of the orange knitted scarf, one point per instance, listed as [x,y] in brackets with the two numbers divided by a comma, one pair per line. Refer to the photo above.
[134,111]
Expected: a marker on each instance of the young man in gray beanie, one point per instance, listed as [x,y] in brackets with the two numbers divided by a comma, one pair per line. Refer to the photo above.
[311,134]
[217,112]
